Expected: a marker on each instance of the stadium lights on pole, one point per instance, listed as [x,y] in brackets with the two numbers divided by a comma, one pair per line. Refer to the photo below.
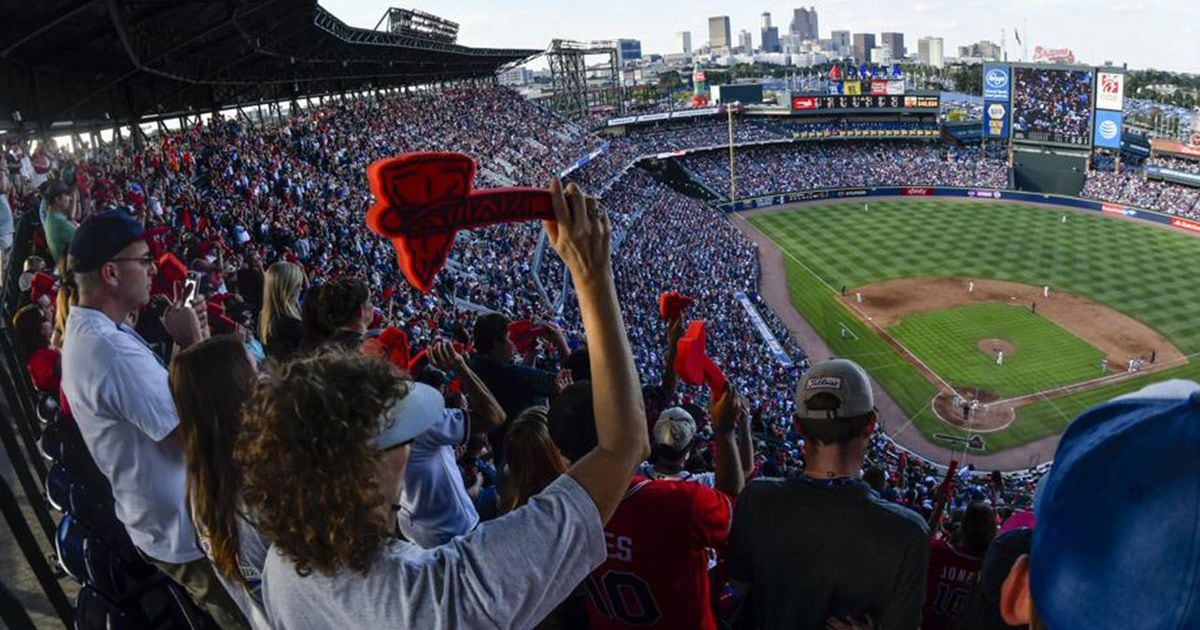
[732,173]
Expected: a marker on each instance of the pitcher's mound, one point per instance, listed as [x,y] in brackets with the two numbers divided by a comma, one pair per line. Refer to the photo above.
[991,346]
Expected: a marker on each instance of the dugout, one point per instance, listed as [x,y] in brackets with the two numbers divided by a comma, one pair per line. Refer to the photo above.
[1044,170]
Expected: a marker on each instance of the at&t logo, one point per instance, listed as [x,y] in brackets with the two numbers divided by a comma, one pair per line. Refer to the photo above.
[1108,129]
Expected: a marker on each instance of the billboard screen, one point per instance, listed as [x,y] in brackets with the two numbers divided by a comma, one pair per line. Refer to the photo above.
[1110,90]
[996,82]
[821,102]
[1108,129]
[996,119]
[1052,105]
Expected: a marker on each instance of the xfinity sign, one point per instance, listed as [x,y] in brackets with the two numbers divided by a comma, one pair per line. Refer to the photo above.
[996,82]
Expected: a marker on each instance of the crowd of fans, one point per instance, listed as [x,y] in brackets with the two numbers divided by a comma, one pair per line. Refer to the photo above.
[1132,187]
[1175,164]
[818,165]
[300,441]
[1052,102]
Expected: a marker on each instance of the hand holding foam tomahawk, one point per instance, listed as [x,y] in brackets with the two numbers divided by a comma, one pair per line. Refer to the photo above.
[423,199]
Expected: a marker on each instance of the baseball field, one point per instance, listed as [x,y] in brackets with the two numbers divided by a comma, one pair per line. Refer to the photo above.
[946,302]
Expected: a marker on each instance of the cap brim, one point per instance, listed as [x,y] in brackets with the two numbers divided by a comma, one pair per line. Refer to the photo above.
[410,416]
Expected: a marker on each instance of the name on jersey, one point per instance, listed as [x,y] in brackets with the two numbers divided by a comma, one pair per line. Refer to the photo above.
[620,548]
[955,574]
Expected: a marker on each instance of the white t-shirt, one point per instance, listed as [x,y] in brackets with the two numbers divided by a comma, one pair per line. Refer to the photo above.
[507,573]
[251,555]
[118,393]
[434,505]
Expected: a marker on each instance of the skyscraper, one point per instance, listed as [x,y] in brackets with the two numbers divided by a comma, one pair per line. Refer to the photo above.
[841,42]
[895,42]
[770,35]
[863,43]
[929,51]
[745,43]
[719,37]
[804,24]
[683,42]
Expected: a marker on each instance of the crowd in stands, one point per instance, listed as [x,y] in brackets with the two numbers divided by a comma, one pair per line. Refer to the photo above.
[1132,187]
[302,442]
[818,165]
[1175,164]
[851,128]
[1052,101]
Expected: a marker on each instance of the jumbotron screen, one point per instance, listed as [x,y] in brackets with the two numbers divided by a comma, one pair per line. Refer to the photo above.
[1052,105]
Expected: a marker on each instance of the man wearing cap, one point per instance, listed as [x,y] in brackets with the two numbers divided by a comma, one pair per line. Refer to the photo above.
[672,437]
[434,506]
[1117,542]
[656,571]
[57,223]
[118,392]
[821,546]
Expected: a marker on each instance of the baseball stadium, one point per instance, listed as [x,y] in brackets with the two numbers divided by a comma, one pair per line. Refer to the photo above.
[318,325]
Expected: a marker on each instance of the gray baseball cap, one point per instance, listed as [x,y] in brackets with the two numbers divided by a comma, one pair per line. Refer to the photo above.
[846,385]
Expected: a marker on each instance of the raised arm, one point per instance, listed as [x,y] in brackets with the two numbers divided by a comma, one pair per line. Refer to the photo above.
[670,382]
[730,478]
[582,236]
[480,400]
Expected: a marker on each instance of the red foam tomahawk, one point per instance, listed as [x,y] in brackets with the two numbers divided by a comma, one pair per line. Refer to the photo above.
[423,199]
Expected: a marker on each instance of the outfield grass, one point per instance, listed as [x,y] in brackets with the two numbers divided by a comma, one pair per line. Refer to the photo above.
[1133,268]
[1046,356]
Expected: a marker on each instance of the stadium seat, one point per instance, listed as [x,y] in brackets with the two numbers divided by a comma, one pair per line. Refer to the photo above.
[115,577]
[70,543]
[47,408]
[59,487]
[50,445]
[92,611]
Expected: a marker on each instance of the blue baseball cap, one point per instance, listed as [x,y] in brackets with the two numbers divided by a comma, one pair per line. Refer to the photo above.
[103,235]
[1117,543]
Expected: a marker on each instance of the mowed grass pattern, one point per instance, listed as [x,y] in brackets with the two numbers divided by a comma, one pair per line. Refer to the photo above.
[1142,271]
[1045,356]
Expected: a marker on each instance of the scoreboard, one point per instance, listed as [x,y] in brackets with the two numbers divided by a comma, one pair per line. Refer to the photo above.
[925,103]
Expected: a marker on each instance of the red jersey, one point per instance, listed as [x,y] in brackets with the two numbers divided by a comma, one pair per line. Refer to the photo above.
[952,576]
[656,574]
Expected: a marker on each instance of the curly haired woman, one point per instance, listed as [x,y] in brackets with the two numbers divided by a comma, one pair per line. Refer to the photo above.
[323,452]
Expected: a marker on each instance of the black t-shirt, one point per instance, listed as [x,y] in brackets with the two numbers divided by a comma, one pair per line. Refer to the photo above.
[287,336]
[516,388]
[812,552]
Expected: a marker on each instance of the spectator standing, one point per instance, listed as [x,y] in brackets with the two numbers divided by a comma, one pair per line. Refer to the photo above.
[279,323]
[434,506]
[821,546]
[118,393]
[345,310]
[656,573]
[954,567]
[1116,539]
[7,226]
[44,362]
[516,387]
[324,453]
[58,224]
[210,383]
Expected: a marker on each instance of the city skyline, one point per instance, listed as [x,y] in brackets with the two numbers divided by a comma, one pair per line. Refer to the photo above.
[1096,32]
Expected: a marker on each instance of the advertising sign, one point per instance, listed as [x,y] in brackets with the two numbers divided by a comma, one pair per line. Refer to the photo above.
[1110,90]
[1108,129]
[1185,224]
[804,102]
[895,87]
[916,192]
[851,88]
[996,82]
[879,87]
[996,119]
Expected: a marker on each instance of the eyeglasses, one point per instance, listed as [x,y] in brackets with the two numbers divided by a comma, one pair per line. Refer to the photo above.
[146,260]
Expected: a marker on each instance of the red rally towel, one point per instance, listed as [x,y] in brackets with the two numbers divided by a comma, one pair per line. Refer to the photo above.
[693,364]
[672,304]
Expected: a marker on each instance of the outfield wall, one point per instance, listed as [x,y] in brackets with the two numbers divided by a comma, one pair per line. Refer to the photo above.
[767,201]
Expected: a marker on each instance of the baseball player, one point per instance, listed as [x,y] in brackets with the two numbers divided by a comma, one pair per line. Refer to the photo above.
[971,287]
[999,357]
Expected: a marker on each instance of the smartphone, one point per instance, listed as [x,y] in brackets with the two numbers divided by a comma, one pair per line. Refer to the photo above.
[191,287]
